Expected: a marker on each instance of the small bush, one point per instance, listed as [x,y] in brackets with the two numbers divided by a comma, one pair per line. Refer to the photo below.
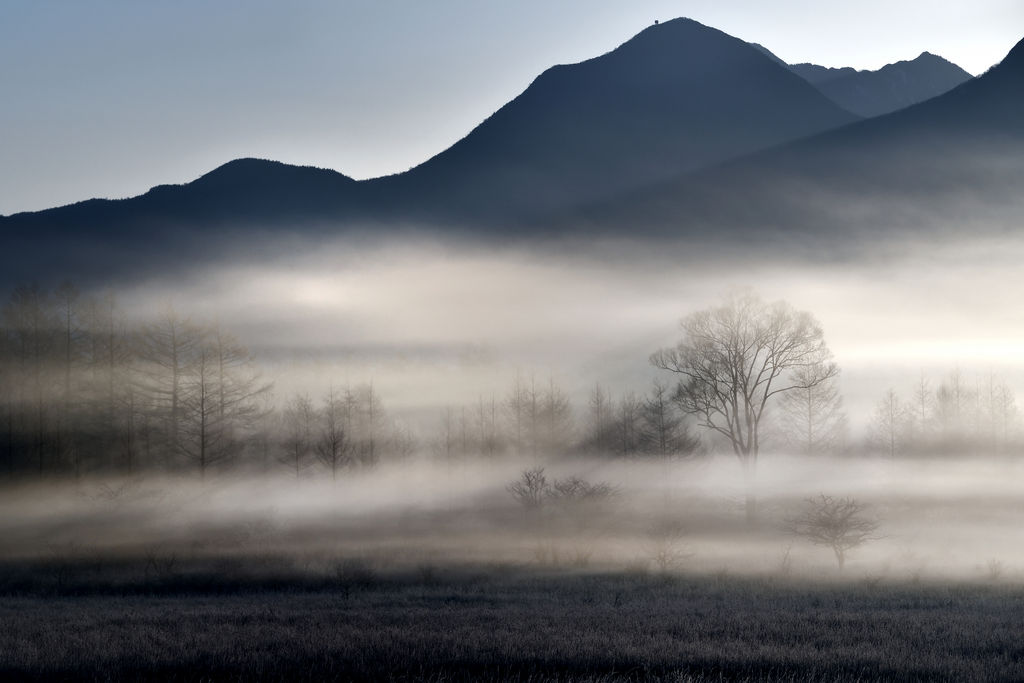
[839,523]
[575,490]
[533,491]
[530,489]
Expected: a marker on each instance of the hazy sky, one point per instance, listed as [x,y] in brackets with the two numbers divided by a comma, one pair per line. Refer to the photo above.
[110,97]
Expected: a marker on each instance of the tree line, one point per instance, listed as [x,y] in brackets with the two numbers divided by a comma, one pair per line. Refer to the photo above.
[84,390]
[955,414]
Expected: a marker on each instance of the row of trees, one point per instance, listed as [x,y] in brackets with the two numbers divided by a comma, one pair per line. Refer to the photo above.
[956,415]
[348,428]
[82,389]
[537,419]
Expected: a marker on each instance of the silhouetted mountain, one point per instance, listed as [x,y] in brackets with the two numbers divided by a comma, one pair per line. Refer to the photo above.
[171,222]
[816,75]
[896,86]
[770,55]
[242,190]
[655,129]
[873,93]
[951,162]
[677,97]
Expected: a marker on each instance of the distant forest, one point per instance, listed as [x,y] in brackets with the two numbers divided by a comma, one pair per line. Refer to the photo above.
[84,392]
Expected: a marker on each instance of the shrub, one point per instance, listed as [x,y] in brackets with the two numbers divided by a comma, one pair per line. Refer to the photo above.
[839,523]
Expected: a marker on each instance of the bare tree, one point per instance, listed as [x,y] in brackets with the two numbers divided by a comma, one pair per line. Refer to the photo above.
[812,416]
[627,426]
[298,416]
[486,426]
[445,446]
[888,428]
[516,407]
[333,445]
[839,523]
[952,399]
[555,423]
[401,442]
[663,431]
[922,408]
[1003,408]
[369,416]
[167,350]
[600,423]
[531,488]
[220,398]
[734,359]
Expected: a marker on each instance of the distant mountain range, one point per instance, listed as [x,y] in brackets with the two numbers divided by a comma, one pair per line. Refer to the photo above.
[680,127]
[874,93]
[953,164]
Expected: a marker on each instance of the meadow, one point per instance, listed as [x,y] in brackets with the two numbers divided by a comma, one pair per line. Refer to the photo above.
[450,578]
[500,623]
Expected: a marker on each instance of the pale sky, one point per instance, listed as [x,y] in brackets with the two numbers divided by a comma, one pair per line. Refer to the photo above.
[110,97]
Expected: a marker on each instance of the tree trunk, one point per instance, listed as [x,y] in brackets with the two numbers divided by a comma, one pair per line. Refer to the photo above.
[749,475]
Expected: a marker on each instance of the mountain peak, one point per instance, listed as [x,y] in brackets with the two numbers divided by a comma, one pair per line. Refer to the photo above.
[248,168]
[676,96]
[894,86]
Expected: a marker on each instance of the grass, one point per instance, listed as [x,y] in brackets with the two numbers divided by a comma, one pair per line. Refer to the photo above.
[355,621]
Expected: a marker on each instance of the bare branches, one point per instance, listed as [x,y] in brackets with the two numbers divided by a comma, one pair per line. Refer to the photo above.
[734,358]
[838,523]
[530,489]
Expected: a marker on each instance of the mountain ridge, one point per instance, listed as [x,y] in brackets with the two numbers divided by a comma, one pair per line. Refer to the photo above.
[959,154]
[965,143]
[626,116]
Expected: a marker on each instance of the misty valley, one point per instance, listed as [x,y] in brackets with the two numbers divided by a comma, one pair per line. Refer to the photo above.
[686,364]
[151,454]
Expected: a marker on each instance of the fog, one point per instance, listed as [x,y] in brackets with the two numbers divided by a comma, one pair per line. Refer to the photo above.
[938,520]
[435,340]
[434,324]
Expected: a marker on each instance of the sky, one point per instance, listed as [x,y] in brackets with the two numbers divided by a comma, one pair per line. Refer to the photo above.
[111,97]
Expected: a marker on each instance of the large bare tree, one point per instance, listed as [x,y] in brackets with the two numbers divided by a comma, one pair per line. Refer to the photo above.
[734,359]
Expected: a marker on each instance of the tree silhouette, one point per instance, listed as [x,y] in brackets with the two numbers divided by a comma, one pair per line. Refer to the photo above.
[735,359]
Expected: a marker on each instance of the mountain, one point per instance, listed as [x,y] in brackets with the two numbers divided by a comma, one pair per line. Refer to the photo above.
[681,133]
[173,224]
[950,163]
[873,93]
[677,97]
[817,75]
[895,86]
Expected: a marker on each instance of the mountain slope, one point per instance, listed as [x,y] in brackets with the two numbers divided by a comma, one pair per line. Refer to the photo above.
[953,161]
[238,191]
[816,75]
[221,213]
[873,93]
[893,87]
[677,97]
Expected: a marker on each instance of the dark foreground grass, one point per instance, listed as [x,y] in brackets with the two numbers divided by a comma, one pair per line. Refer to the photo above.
[508,625]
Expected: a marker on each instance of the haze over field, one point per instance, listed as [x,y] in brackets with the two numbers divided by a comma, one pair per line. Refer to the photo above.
[436,325]
[701,333]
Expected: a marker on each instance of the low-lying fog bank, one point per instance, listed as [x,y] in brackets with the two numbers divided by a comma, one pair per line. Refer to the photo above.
[952,518]
[449,322]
